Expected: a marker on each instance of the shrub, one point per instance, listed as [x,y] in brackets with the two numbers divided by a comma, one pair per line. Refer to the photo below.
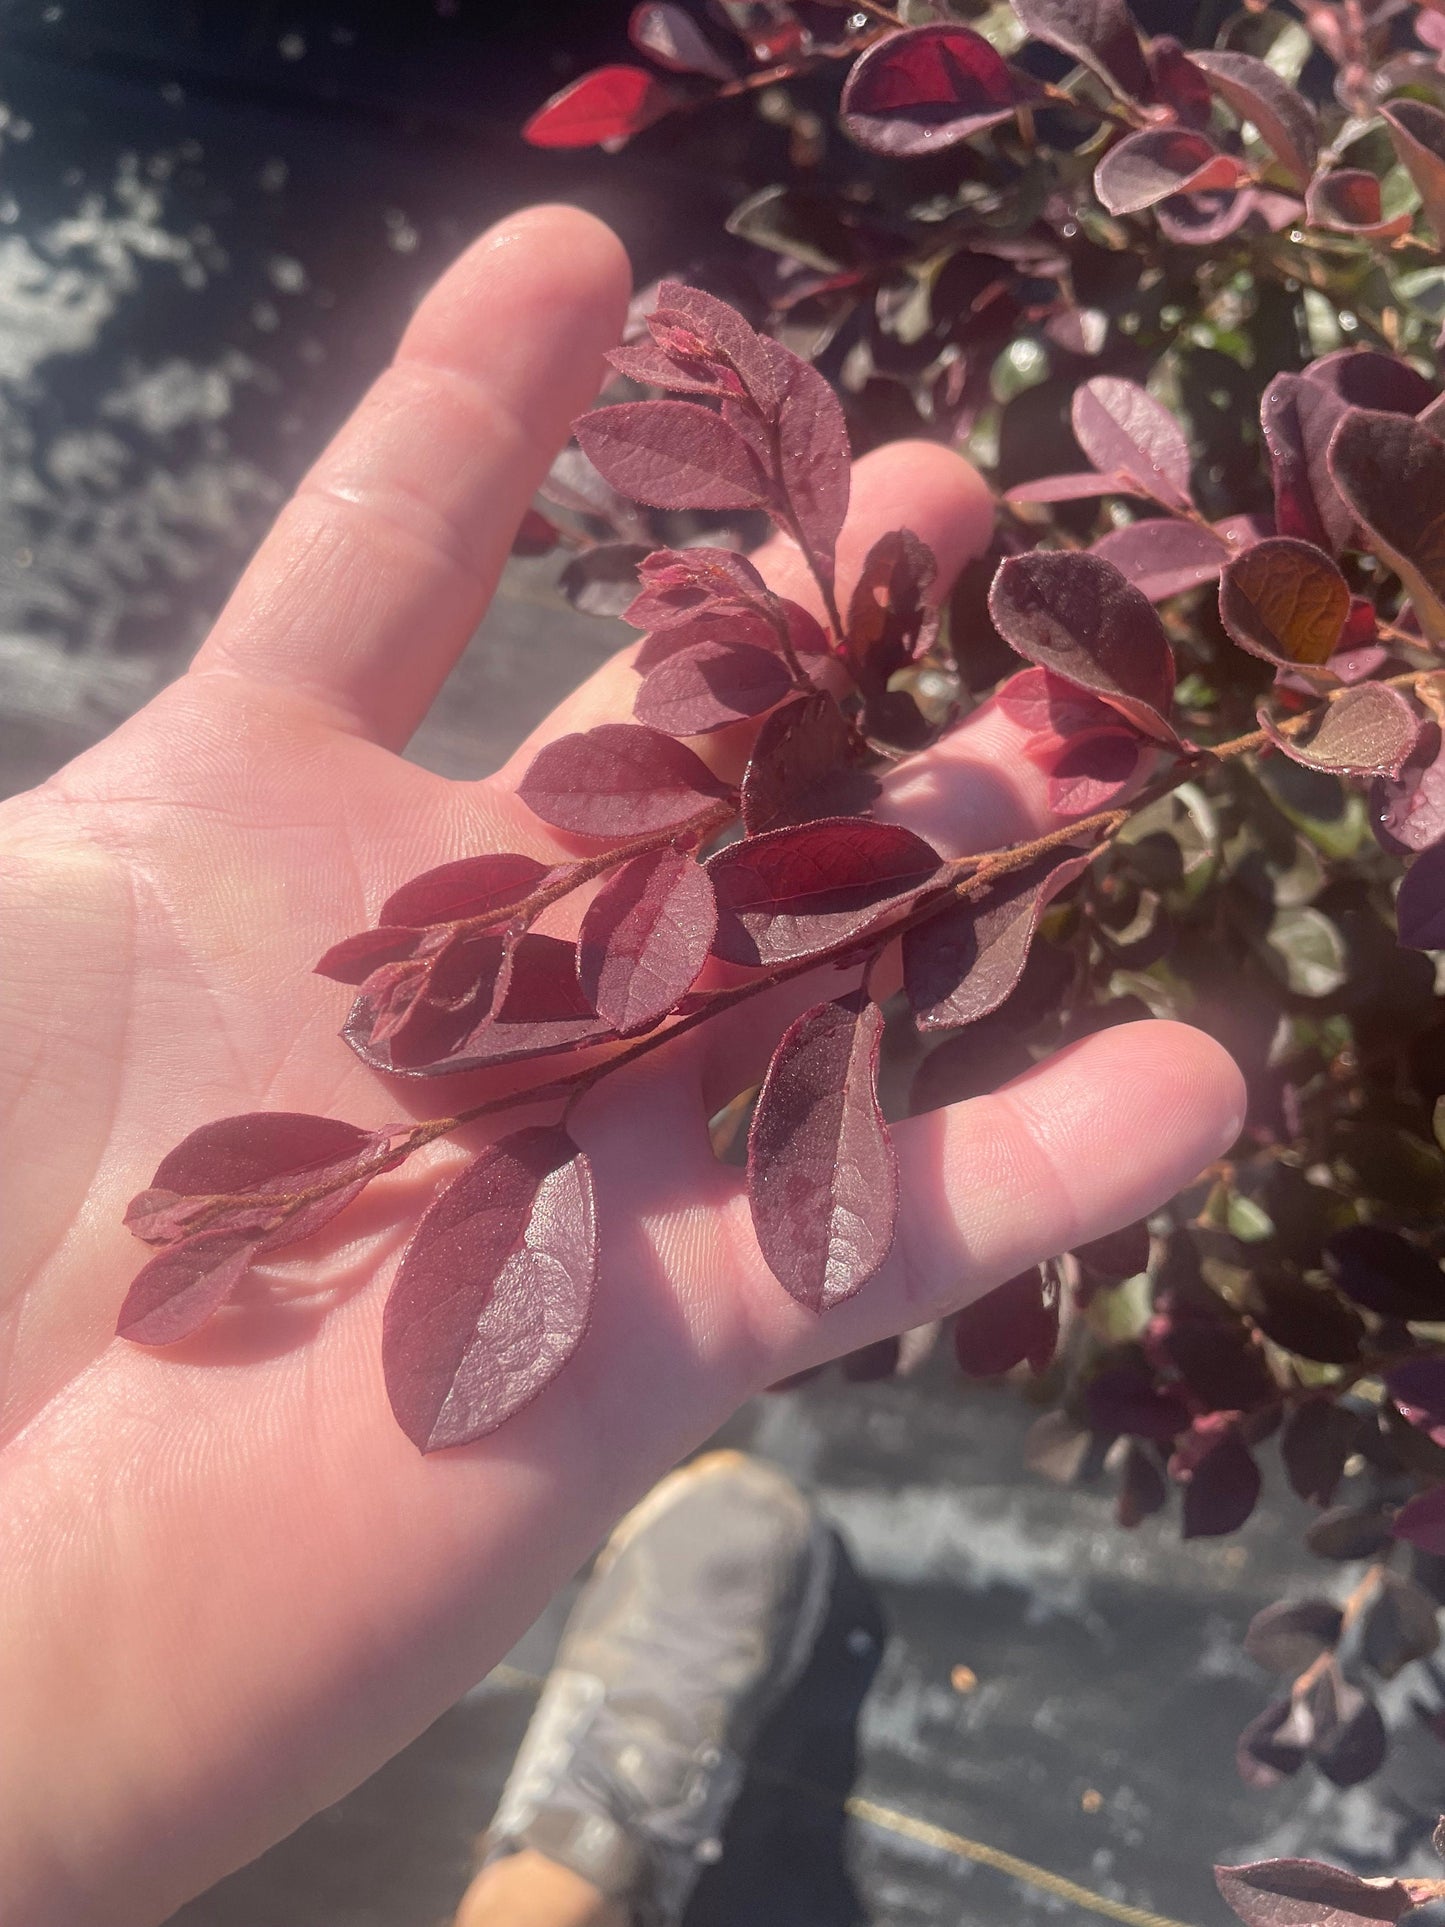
[1129,252]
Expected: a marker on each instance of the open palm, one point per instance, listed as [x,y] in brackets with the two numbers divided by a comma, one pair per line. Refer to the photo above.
[229,1586]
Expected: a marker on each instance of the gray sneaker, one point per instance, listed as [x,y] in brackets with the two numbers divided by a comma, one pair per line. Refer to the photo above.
[701,1612]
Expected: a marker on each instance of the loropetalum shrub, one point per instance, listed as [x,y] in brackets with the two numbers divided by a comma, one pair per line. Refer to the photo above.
[1180,294]
[1308,1893]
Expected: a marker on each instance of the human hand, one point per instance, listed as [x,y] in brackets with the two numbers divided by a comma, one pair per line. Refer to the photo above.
[231,1586]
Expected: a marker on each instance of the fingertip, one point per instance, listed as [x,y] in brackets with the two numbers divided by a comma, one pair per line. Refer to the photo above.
[556,268]
[928,488]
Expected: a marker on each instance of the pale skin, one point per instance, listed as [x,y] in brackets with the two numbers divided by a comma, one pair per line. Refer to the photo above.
[229,1585]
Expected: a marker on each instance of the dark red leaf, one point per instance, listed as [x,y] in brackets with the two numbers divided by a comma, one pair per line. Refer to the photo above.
[474,886]
[494,1291]
[1391,473]
[1211,1348]
[1143,1488]
[1307,1893]
[541,1010]
[707,347]
[1418,132]
[1017,1321]
[1347,1739]
[1093,771]
[1256,93]
[256,1150]
[1291,1634]
[1146,168]
[1370,730]
[1386,1273]
[1078,616]
[356,958]
[617,780]
[1124,1399]
[1074,488]
[1098,33]
[803,766]
[1298,417]
[1365,378]
[1318,1437]
[1121,427]
[1178,82]
[1117,1255]
[1420,905]
[1346,1533]
[1165,557]
[711,686]
[1410,815]
[814,463]
[182,1286]
[608,105]
[888,618]
[1269,1750]
[1307,1319]
[1284,600]
[964,962]
[678,583]
[791,892]
[1347,200]
[716,627]
[1208,218]
[672,455]
[1221,1480]
[1050,708]
[1395,1623]
[927,88]
[822,1174]
[675,41]
[645,938]
[1421,1521]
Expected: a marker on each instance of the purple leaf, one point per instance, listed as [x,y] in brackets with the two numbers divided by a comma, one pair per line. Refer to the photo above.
[822,1174]
[182,1286]
[1078,616]
[618,779]
[541,1010]
[1125,1400]
[645,938]
[1298,417]
[1221,1480]
[1318,1437]
[1418,133]
[1177,82]
[1347,200]
[1219,1360]
[1164,557]
[1307,1893]
[1050,708]
[356,958]
[494,1291]
[601,108]
[1385,1273]
[1256,93]
[1365,378]
[1097,33]
[717,626]
[1116,1256]
[707,347]
[1120,426]
[814,464]
[474,886]
[1391,473]
[1421,1521]
[1017,1321]
[1369,730]
[1420,906]
[674,41]
[802,767]
[1409,815]
[678,583]
[1291,1634]
[1420,1384]
[672,455]
[710,686]
[791,892]
[888,619]
[1074,488]
[1092,771]
[1143,1488]
[1146,168]
[268,1159]
[963,963]
[1208,218]
[1285,600]
[927,88]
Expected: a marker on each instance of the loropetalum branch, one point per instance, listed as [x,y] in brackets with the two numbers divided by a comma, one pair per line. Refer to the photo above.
[494,1291]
